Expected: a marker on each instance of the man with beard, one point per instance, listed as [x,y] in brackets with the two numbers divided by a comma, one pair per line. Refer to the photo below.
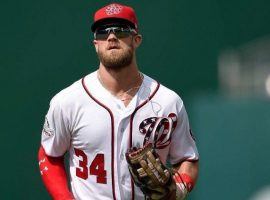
[99,118]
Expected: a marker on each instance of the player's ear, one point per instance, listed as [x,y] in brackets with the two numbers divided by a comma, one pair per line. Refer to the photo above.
[137,40]
[95,44]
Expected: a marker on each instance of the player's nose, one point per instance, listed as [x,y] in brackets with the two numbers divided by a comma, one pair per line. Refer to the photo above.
[112,37]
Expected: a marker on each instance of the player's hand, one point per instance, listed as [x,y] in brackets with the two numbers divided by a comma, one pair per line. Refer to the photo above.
[148,172]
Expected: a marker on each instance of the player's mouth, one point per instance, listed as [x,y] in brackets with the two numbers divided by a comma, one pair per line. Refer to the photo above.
[113,47]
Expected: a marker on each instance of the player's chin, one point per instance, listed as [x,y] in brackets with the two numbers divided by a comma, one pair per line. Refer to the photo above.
[116,52]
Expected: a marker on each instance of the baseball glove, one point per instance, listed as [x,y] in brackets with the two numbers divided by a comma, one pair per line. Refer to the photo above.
[154,179]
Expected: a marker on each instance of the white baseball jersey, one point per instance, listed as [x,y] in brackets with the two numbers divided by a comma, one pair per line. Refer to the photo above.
[97,130]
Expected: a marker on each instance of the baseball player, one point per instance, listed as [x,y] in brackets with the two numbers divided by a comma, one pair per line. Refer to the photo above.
[119,126]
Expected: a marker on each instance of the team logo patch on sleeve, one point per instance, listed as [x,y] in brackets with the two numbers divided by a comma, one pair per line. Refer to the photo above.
[47,131]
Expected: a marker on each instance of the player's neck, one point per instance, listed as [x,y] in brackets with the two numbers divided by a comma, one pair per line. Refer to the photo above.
[123,83]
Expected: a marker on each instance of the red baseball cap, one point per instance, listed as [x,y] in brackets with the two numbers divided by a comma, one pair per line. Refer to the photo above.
[115,13]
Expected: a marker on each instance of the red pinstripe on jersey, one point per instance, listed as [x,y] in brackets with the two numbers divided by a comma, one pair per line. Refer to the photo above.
[112,133]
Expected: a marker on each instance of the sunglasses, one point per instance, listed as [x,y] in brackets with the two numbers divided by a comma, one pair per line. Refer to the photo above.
[119,32]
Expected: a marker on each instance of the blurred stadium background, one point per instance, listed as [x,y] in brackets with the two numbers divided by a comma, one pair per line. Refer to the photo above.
[214,53]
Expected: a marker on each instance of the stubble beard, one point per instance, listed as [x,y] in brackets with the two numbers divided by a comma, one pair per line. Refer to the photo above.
[116,59]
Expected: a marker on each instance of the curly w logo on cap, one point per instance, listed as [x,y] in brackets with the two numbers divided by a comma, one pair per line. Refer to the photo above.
[113,9]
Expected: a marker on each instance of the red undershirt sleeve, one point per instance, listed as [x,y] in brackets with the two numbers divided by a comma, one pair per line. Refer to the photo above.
[54,176]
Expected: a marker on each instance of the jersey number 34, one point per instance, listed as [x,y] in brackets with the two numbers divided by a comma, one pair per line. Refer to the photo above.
[96,167]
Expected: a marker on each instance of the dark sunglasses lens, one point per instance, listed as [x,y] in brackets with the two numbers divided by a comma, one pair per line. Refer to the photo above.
[122,33]
[103,34]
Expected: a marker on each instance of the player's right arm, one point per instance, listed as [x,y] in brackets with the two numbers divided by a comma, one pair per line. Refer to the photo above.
[55,142]
[54,176]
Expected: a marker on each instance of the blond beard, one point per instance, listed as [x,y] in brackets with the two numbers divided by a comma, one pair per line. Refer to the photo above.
[116,59]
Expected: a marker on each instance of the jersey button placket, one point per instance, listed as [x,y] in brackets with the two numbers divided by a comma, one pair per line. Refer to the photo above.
[121,134]
[122,156]
[122,139]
